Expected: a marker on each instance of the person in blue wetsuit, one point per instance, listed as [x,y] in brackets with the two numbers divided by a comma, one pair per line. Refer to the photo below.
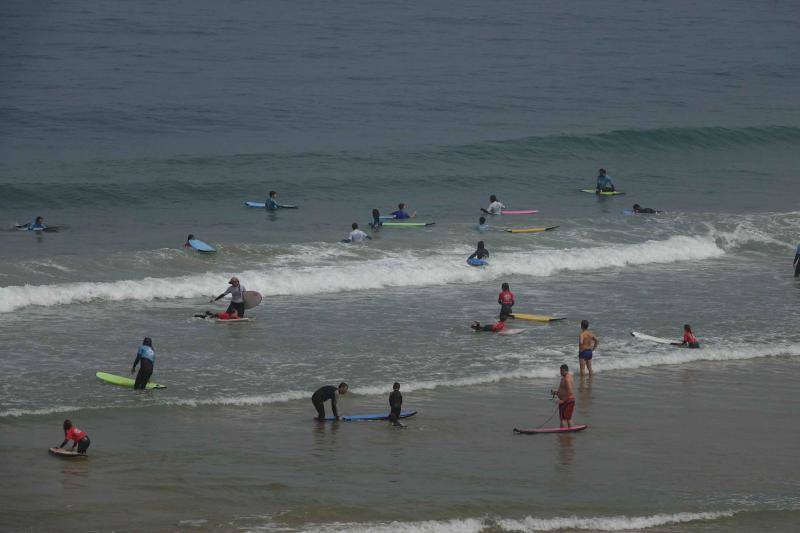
[36,225]
[604,183]
[480,253]
[147,356]
[401,214]
[796,262]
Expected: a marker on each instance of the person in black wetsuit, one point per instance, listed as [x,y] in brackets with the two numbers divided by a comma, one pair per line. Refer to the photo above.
[323,394]
[376,220]
[796,262]
[644,210]
[395,404]
[480,253]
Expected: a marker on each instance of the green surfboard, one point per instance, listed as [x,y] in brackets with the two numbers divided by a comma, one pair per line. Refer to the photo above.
[123,381]
[604,193]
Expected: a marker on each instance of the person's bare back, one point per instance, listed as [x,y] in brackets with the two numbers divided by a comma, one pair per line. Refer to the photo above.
[587,341]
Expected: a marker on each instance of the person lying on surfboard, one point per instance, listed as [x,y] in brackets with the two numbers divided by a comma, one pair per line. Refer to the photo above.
[482,225]
[689,340]
[36,225]
[325,393]
[604,183]
[233,315]
[644,210]
[79,438]
[495,207]
[566,400]
[480,253]
[401,214]
[497,327]
[506,300]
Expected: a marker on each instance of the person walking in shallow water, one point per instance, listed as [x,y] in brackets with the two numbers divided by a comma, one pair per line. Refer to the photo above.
[587,344]
[566,398]
[147,357]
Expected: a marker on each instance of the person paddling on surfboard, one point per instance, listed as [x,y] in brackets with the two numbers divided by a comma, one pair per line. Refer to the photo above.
[480,253]
[272,202]
[506,300]
[147,356]
[495,207]
[644,210]
[401,214]
[566,400]
[236,290]
[587,344]
[79,438]
[395,405]
[356,235]
[497,327]
[689,340]
[37,224]
[325,393]
[604,183]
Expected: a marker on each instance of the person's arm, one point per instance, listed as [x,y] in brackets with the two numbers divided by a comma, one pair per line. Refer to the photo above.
[596,342]
[333,407]
[485,211]
[796,259]
[472,256]
[136,362]
[487,253]
[221,295]
[64,443]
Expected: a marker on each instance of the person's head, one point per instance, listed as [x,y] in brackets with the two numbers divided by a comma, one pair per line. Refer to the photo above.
[396,386]
[401,206]
[376,214]
[67,424]
[482,220]
[564,370]
[39,219]
[354,225]
[234,281]
[475,325]
[505,287]
[190,237]
[687,328]
[272,194]
[602,172]
[147,342]
[343,388]
[480,245]
[584,324]
[636,207]
[493,198]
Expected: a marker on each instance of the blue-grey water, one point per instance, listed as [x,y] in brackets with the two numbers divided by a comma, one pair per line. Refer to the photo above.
[131,125]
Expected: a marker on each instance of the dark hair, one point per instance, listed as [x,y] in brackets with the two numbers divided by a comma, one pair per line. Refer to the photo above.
[636,206]
[493,198]
[584,324]
[376,213]
[40,217]
[480,245]
[67,424]
[602,170]
[687,327]
[355,225]
[148,342]
[190,237]
[564,367]
[505,286]
[396,385]
[482,220]
[272,193]
[342,384]
[401,205]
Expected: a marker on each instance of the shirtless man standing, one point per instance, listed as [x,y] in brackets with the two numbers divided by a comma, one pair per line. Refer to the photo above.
[587,343]
[566,400]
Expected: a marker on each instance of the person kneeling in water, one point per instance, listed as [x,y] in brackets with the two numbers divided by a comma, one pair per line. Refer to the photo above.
[78,437]
[233,315]
[689,340]
[500,325]
[480,253]
[644,210]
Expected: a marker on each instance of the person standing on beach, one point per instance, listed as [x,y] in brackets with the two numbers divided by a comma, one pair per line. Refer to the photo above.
[587,344]
[236,290]
[566,399]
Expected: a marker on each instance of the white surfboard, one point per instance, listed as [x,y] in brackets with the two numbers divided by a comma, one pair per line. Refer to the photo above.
[650,338]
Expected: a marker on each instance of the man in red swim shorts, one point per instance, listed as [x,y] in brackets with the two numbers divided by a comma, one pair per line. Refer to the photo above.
[566,400]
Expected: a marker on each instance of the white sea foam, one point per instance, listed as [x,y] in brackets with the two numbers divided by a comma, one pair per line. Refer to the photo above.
[400,271]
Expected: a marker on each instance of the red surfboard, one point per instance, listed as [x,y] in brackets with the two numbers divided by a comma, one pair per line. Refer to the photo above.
[551,430]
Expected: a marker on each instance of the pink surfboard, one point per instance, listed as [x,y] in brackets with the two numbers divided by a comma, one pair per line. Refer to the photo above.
[521,212]
[551,430]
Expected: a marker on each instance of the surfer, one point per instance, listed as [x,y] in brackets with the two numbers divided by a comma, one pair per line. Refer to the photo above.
[587,344]
[236,290]
[79,438]
[36,225]
[401,214]
[480,253]
[497,327]
[644,210]
[376,220]
[796,262]
[689,340]
[233,315]
[506,300]
[566,400]
[147,356]
[395,404]
[482,225]
[272,204]
[604,183]
[356,235]
[325,393]
[495,207]
[189,238]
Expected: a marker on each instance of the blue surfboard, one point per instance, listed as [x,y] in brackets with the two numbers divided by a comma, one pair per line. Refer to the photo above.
[477,262]
[363,418]
[201,246]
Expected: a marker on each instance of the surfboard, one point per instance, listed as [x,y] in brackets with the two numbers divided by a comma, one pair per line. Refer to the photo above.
[530,230]
[61,452]
[511,331]
[367,418]
[201,246]
[520,212]
[251,299]
[474,261]
[407,224]
[537,318]
[47,229]
[550,430]
[604,193]
[230,320]
[262,205]
[124,382]
[650,338]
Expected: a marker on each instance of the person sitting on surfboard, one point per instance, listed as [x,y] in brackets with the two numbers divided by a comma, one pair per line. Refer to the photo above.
[689,340]
[401,214]
[236,290]
[604,183]
[376,220]
[506,300]
[325,393]
[395,404]
[495,207]
[233,315]
[587,344]
[644,210]
[566,400]
[480,253]
[147,356]
[356,235]
[497,327]
[79,438]
[482,225]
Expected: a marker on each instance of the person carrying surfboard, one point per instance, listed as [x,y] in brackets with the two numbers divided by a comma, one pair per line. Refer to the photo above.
[146,355]
[497,327]
[604,183]
[506,300]
[495,207]
[325,393]
[587,344]
[236,290]
[401,214]
[566,399]
[689,340]
[480,253]
[395,404]
[79,438]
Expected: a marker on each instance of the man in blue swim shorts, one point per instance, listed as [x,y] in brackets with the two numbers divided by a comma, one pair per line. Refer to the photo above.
[587,343]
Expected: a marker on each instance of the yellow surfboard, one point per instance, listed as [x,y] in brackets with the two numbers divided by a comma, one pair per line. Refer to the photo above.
[537,318]
[530,230]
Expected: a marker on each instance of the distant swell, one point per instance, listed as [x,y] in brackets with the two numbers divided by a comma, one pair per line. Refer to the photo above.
[400,271]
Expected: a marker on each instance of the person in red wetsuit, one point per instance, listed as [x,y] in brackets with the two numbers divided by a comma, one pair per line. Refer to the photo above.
[78,437]
[689,340]
[500,325]
[506,300]
[233,315]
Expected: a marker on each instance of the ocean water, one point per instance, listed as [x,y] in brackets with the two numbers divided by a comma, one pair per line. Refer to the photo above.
[133,125]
